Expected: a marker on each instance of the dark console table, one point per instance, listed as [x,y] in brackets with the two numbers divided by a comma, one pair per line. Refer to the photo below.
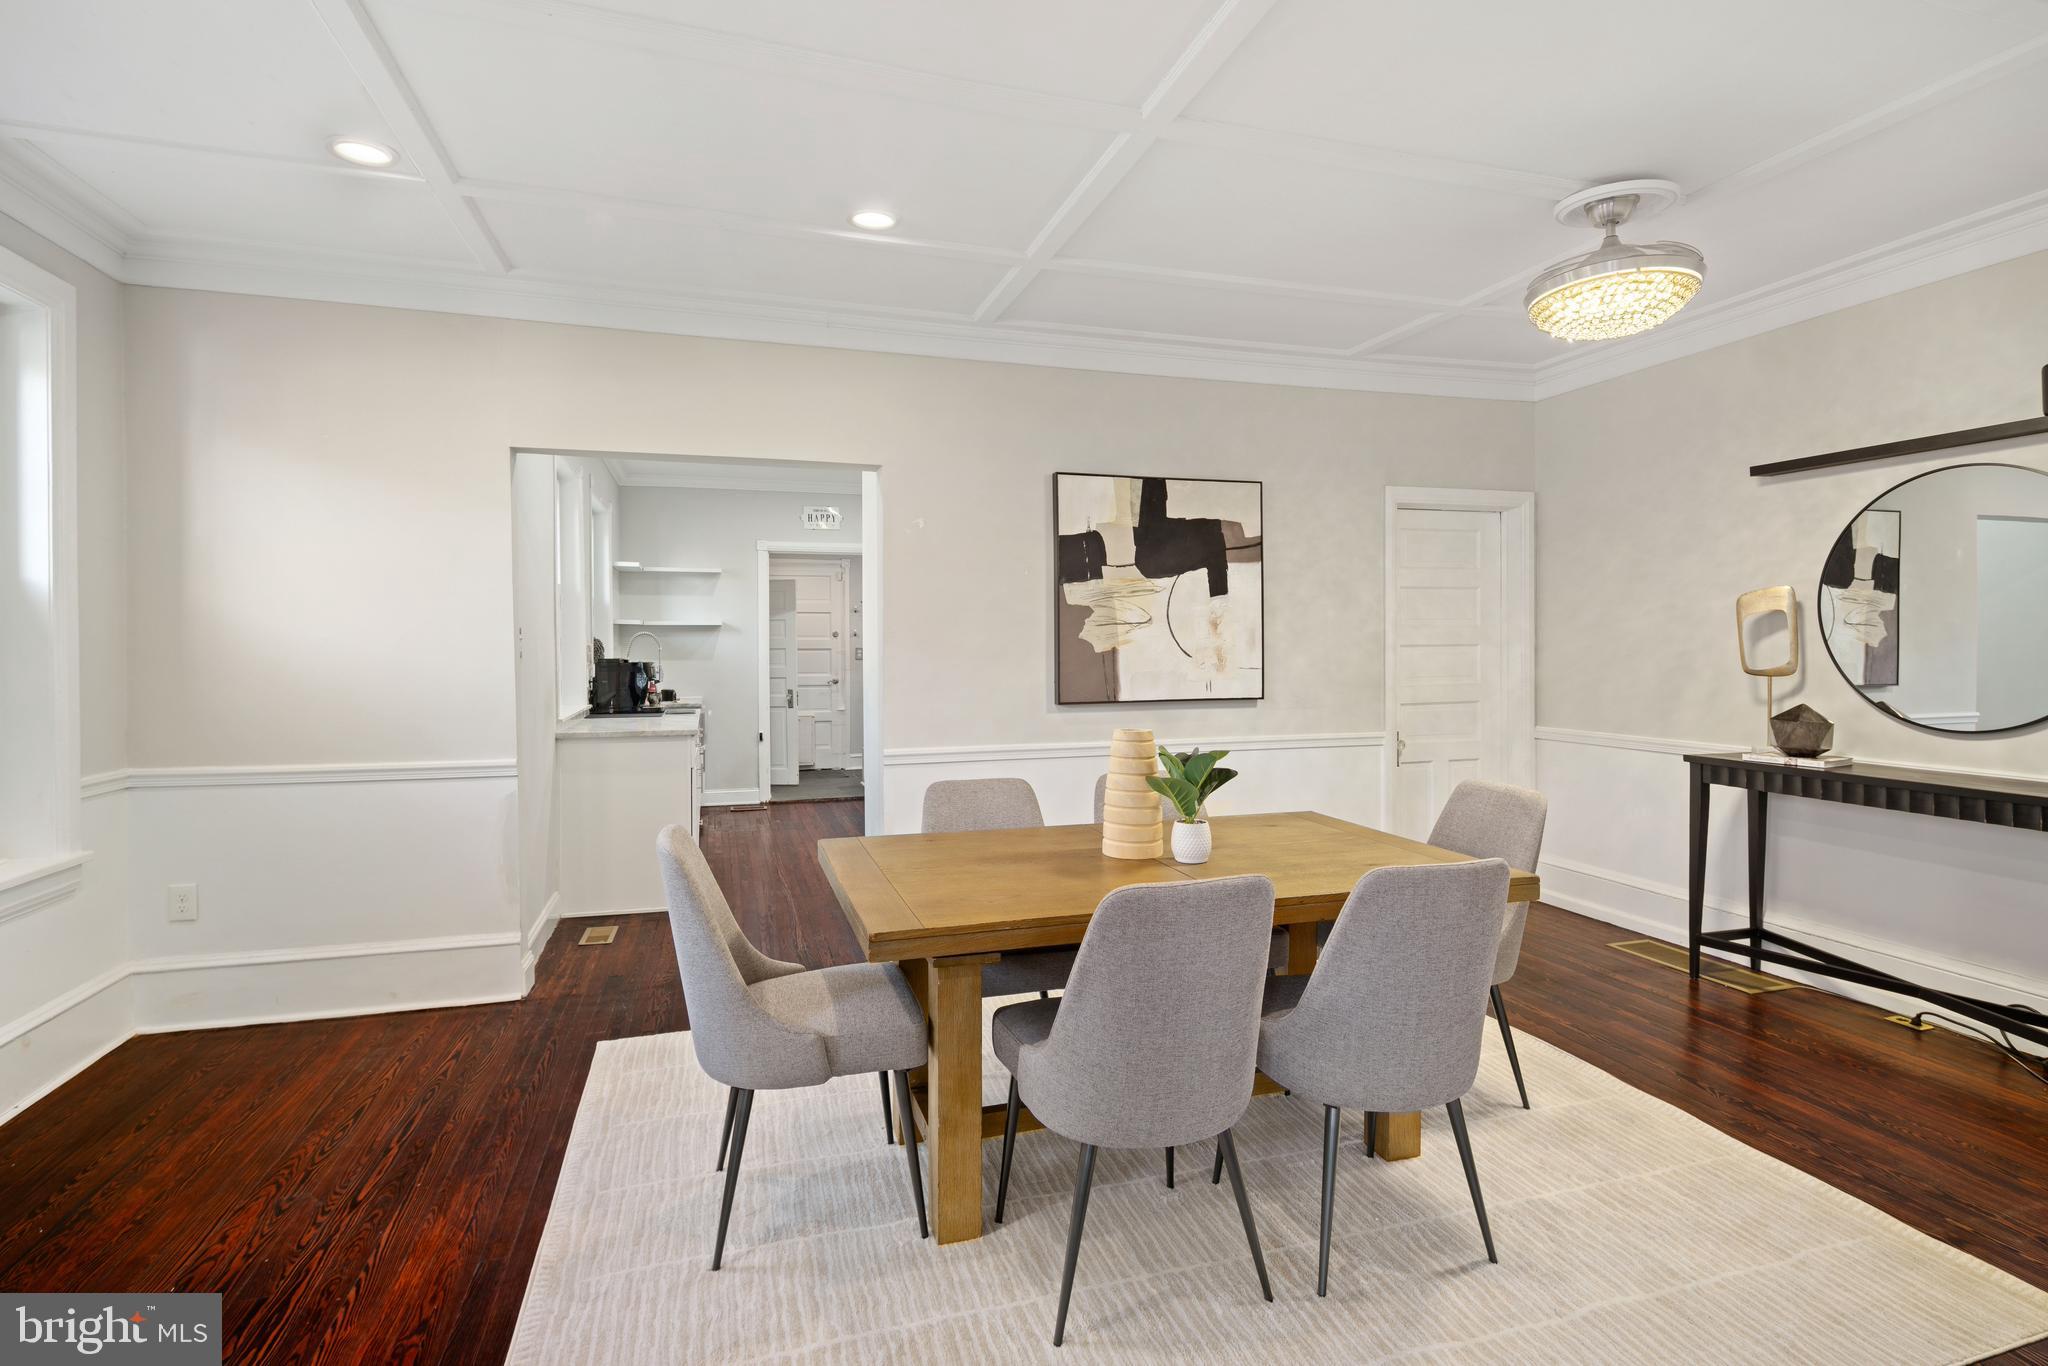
[1953,796]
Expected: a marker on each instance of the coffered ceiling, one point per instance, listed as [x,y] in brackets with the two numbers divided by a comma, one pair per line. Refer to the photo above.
[1325,192]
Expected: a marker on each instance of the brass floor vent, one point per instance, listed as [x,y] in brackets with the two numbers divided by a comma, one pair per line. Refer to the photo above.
[599,934]
[1712,969]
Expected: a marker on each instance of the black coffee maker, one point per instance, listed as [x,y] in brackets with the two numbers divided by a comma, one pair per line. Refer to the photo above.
[620,687]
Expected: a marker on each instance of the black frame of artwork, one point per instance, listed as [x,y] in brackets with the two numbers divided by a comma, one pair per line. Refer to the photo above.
[1821,625]
[1058,598]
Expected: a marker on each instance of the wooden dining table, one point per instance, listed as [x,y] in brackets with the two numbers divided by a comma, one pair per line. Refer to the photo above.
[945,906]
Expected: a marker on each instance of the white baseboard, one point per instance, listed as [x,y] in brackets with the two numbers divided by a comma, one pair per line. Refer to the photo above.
[57,1040]
[537,937]
[227,990]
[1867,884]
[587,914]
[732,796]
[214,991]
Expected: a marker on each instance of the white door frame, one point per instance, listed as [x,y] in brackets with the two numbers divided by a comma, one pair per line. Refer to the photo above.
[1518,623]
[764,551]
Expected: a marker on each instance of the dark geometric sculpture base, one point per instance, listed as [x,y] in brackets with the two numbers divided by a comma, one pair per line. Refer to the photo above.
[1802,732]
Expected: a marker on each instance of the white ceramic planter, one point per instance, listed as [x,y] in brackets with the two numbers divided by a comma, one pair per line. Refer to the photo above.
[1191,842]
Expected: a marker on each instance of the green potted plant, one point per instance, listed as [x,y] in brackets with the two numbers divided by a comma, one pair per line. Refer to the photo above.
[1187,783]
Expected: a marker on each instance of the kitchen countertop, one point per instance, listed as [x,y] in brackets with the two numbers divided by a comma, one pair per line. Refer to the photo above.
[647,726]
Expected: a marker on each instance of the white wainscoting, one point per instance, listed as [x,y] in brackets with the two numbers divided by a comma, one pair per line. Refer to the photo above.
[1947,903]
[1335,774]
[64,997]
[324,890]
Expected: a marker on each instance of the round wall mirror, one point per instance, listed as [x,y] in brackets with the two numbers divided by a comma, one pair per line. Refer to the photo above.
[1933,601]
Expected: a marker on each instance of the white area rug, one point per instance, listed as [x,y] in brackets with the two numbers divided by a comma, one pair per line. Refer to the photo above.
[1628,1232]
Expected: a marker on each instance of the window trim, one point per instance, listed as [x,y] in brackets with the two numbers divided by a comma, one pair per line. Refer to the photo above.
[50,868]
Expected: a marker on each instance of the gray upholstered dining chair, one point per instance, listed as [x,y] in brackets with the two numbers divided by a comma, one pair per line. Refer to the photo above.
[1277,960]
[1391,1019]
[759,1024]
[1494,820]
[960,804]
[1152,1045]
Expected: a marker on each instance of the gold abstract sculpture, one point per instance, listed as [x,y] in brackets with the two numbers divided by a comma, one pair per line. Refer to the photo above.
[1762,602]
[1131,827]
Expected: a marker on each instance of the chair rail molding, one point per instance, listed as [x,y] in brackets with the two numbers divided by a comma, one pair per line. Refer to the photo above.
[1336,773]
[1099,749]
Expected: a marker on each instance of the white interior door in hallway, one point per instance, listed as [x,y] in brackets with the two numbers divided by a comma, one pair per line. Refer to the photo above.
[1452,670]
[818,635]
[782,745]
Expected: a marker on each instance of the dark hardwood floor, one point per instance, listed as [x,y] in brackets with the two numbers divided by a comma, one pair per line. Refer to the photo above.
[372,1189]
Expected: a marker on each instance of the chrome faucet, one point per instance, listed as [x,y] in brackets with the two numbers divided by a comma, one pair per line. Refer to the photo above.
[657,649]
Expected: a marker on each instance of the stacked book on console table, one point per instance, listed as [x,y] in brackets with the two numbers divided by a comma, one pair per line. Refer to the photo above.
[1793,761]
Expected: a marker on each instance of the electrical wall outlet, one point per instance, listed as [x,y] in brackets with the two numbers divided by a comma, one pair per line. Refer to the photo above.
[184,902]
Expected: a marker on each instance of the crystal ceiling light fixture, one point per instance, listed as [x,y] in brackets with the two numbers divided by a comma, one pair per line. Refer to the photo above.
[1615,290]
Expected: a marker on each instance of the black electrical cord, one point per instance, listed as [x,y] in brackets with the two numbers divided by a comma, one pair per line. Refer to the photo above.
[2030,1063]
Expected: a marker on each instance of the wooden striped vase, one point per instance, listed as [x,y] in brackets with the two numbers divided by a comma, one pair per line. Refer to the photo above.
[1131,827]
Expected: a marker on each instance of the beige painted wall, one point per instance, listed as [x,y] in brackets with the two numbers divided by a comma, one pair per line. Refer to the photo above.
[1651,524]
[321,552]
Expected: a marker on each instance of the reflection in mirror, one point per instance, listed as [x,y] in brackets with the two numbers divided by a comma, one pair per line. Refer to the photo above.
[1934,599]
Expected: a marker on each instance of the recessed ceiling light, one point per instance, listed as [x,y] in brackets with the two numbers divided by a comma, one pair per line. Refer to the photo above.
[362,152]
[874,220]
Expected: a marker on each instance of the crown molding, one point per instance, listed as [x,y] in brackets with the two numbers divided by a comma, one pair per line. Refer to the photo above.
[35,198]
[2016,228]
[331,279]
[32,197]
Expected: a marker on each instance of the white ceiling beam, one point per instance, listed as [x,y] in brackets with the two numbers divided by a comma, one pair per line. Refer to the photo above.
[363,48]
[1952,87]
[58,136]
[1250,284]
[645,32]
[724,220]
[1352,156]
[1227,29]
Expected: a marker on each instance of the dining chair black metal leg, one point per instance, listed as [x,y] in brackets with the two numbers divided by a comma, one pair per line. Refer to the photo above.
[1082,1181]
[888,1120]
[1457,1112]
[732,1100]
[744,1108]
[1216,1176]
[1169,1169]
[1228,1147]
[1371,1120]
[1331,1117]
[910,1146]
[1009,1146]
[1507,1036]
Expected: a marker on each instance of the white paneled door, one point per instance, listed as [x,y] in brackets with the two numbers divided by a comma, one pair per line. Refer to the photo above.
[1446,669]
[782,744]
[819,657]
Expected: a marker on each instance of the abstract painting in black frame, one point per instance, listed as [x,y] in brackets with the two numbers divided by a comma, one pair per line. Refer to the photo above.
[1158,589]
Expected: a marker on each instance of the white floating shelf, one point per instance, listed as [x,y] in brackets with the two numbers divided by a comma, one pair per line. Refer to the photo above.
[634,566]
[643,624]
